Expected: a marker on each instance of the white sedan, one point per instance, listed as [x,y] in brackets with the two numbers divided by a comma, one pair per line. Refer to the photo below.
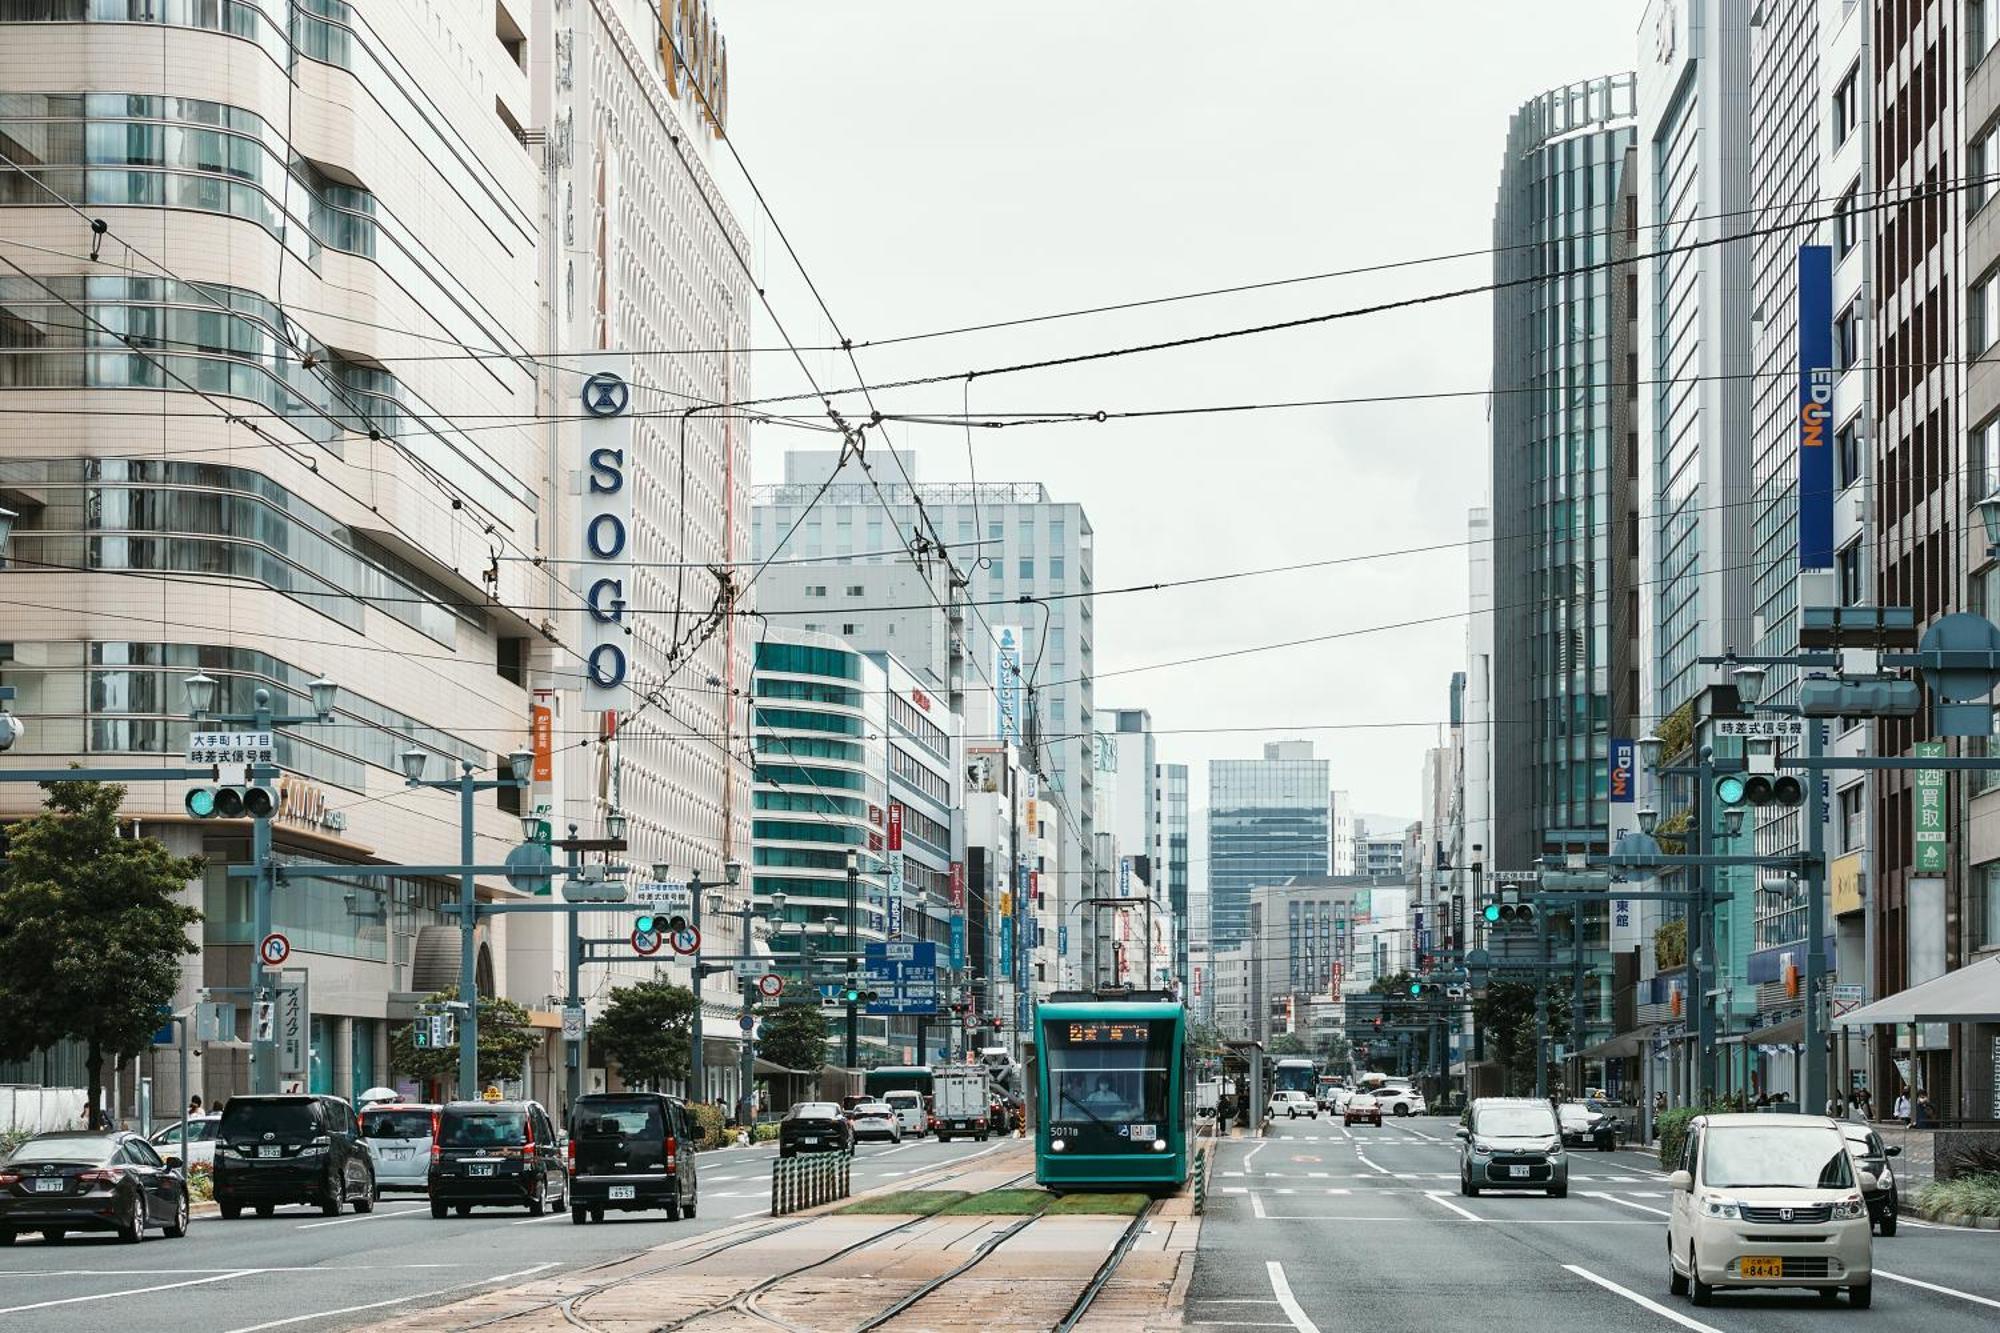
[201,1140]
[1400,1101]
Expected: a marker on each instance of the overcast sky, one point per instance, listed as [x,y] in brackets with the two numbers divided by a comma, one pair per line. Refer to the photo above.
[943,164]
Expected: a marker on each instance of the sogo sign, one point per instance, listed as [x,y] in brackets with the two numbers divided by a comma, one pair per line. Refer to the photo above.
[604,561]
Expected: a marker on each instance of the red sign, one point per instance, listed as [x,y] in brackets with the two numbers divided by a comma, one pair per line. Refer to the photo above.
[1035,885]
[874,841]
[895,827]
[542,727]
[920,699]
[1197,981]
[958,886]
[875,814]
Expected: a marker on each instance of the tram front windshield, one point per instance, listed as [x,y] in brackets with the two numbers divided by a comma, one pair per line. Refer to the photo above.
[1108,1072]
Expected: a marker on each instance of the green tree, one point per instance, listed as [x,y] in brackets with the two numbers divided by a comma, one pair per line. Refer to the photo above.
[91,930]
[1397,984]
[794,1036]
[1506,1018]
[505,1043]
[647,1029]
[1287,1043]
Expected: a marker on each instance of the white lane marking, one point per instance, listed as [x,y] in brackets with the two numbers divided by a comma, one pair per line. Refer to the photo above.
[1235,1300]
[1253,1153]
[1286,1301]
[1370,1165]
[1908,1282]
[530,1221]
[363,1217]
[1510,1222]
[1256,1205]
[1633,1296]
[396,1300]
[136,1291]
[754,1212]
[1440,1200]
[1626,1203]
[187,1272]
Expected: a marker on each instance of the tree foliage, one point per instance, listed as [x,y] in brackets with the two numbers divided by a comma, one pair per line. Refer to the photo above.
[1398,984]
[505,1043]
[1506,1018]
[91,930]
[647,1029]
[1670,944]
[1287,1043]
[795,1037]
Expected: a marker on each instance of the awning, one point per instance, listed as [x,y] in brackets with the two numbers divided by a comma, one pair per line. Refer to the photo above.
[1790,1032]
[1969,995]
[1623,1046]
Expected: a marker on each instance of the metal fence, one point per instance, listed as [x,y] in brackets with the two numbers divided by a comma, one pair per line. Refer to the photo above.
[809,1181]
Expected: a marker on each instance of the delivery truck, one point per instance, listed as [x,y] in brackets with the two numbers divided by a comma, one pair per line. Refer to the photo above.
[959,1103]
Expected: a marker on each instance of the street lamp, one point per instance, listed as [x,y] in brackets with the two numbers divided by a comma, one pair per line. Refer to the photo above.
[1749,684]
[531,825]
[1649,819]
[521,763]
[1989,514]
[614,824]
[323,691]
[732,870]
[662,870]
[200,689]
[1651,750]
[413,761]
[1732,821]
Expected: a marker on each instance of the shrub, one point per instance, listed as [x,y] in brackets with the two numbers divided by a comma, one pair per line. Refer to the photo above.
[709,1116]
[1673,1128]
[764,1133]
[1977,1195]
[201,1183]
[11,1139]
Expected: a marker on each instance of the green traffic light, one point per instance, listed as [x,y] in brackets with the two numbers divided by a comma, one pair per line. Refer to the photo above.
[1493,912]
[201,802]
[1731,790]
[644,925]
[1416,988]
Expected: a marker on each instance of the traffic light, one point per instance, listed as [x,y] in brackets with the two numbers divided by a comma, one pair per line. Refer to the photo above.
[263,1021]
[1859,698]
[855,995]
[1733,790]
[649,922]
[231,802]
[1509,915]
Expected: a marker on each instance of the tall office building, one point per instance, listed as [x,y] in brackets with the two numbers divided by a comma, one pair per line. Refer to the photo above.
[1170,852]
[1554,502]
[1010,540]
[1268,820]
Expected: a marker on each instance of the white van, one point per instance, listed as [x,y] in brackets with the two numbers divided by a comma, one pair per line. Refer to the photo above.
[909,1104]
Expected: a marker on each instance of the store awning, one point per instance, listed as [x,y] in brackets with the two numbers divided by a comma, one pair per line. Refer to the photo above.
[1623,1046]
[1969,995]
[1790,1032]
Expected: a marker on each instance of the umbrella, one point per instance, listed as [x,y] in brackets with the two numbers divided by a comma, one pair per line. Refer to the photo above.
[380,1095]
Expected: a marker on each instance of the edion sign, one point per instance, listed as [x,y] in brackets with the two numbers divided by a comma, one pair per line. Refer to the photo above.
[1624,778]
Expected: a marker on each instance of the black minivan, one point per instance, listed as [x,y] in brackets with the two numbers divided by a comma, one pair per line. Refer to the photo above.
[501,1154]
[293,1148]
[630,1151]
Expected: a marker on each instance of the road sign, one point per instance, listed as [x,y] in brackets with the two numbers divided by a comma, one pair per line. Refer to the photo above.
[528,866]
[275,949]
[231,747]
[749,969]
[1783,728]
[665,896]
[685,941]
[771,985]
[646,942]
[572,1019]
[746,1022]
[903,975]
[294,1020]
[1514,877]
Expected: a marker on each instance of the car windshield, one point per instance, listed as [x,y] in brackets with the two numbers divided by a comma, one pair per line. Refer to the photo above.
[813,1111]
[87,1151]
[608,1119]
[1574,1113]
[395,1124]
[198,1131]
[1747,1156]
[252,1119]
[483,1129]
[1513,1122]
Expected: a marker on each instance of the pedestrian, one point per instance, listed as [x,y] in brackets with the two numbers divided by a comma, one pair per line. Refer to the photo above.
[194,1106]
[1924,1118]
[1867,1104]
[1903,1105]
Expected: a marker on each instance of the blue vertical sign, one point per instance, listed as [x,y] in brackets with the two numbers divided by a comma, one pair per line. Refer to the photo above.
[1007,682]
[1062,941]
[958,943]
[1816,375]
[1623,777]
[1007,946]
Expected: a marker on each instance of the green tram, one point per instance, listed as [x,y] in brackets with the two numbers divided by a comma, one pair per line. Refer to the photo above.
[1117,1094]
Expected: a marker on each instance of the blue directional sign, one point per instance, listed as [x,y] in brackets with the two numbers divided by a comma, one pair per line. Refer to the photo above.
[903,975]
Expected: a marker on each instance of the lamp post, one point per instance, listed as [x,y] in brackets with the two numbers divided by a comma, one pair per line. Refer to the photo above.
[201,692]
[853,948]
[521,764]
[697,1066]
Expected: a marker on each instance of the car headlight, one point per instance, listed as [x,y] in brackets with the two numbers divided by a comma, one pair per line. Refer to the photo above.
[1849,1208]
[1481,1149]
[1717,1206]
[1159,1145]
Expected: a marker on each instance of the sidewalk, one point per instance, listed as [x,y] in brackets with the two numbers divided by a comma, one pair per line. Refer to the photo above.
[1028,1282]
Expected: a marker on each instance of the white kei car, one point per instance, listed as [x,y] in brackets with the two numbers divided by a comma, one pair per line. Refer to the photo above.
[1292,1104]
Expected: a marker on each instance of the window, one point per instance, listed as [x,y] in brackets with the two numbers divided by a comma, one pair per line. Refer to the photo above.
[816,590]
[1847,453]
[1986,905]
[996,530]
[1027,567]
[1058,534]
[1847,221]
[1980,30]
[1853,585]
[1983,459]
[1846,338]
[1055,567]
[1979,164]
[849,628]
[856,590]
[1982,314]
[1853,804]
[1847,103]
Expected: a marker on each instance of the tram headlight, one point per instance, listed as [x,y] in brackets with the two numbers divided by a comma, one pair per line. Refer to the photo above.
[1159,1145]
[1057,1145]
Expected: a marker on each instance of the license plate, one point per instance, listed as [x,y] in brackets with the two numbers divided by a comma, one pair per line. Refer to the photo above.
[622,1191]
[396,1154]
[808,1139]
[1518,1172]
[1760,1266]
[481,1169]
[49,1185]
[1145,1133]
[268,1150]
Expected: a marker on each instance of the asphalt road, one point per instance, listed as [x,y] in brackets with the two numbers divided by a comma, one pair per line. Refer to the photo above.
[1323,1228]
[299,1271]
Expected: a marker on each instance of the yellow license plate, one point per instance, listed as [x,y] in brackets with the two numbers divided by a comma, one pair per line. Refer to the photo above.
[1760,1266]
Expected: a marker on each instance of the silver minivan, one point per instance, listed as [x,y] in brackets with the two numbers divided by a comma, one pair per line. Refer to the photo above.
[400,1135]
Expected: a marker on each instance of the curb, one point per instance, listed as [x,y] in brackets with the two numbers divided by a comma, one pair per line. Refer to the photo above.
[1972,1221]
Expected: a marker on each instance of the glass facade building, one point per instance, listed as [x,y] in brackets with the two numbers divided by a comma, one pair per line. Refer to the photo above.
[1173,807]
[1268,820]
[1553,460]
